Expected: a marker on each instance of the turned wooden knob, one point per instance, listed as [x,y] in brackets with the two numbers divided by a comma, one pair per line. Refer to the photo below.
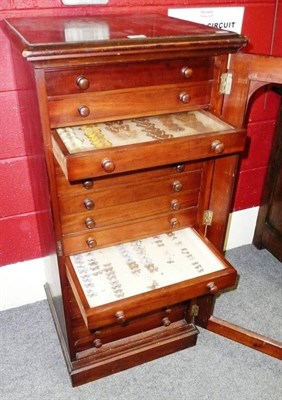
[175,205]
[82,82]
[180,167]
[174,223]
[212,287]
[120,316]
[108,165]
[166,321]
[88,204]
[184,97]
[90,223]
[177,186]
[84,111]
[97,343]
[217,146]
[187,72]
[91,242]
[88,184]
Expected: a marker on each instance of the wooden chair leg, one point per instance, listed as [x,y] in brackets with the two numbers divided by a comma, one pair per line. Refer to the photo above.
[246,337]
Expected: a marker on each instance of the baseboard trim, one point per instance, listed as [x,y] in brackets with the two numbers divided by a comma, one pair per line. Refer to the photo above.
[131,351]
[57,324]
[23,283]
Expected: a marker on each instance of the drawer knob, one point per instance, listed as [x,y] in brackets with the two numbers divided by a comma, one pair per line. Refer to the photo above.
[166,321]
[82,82]
[174,223]
[91,242]
[108,165]
[177,186]
[175,205]
[88,184]
[212,287]
[180,167]
[89,204]
[120,316]
[84,111]
[90,223]
[97,343]
[187,72]
[217,146]
[184,97]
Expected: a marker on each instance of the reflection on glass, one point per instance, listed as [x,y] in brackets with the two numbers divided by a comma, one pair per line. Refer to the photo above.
[80,30]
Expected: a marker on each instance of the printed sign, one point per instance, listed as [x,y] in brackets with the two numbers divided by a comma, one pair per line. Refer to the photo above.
[227,18]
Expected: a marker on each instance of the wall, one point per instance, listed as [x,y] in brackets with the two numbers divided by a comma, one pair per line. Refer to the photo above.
[25,231]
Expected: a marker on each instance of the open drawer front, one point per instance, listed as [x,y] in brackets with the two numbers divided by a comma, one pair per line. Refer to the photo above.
[118,146]
[114,284]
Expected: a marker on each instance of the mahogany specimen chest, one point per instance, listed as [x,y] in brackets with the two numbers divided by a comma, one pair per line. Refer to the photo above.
[142,132]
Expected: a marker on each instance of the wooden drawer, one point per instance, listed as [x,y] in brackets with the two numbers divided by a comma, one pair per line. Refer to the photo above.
[148,142]
[114,234]
[134,192]
[126,103]
[114,285]
[130,75]
[67,188]
[85,339]
[88,221]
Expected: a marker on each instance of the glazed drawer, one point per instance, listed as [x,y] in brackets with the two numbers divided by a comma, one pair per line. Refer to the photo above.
[115,147]
[132,192]
[116,284]
[131,75]
[108,105]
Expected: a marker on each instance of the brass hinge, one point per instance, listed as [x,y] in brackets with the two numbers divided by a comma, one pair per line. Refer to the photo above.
[194,312]
[207,219]
[59,248]
[225,83]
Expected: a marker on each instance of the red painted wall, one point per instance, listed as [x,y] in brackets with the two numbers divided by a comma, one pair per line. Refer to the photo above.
[25,231]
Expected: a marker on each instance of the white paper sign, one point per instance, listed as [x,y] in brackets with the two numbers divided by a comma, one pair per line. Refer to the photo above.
[227,18]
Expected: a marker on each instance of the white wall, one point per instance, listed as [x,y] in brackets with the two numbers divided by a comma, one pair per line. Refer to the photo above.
[22,283]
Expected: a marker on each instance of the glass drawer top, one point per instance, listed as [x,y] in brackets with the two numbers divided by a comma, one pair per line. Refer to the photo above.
[117,272]
[139,130]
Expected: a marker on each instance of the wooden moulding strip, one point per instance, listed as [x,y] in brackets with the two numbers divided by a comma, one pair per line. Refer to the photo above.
[129,352]
[246,337]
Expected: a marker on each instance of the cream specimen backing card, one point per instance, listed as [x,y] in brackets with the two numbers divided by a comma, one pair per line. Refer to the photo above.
[128,269]
[139,130]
